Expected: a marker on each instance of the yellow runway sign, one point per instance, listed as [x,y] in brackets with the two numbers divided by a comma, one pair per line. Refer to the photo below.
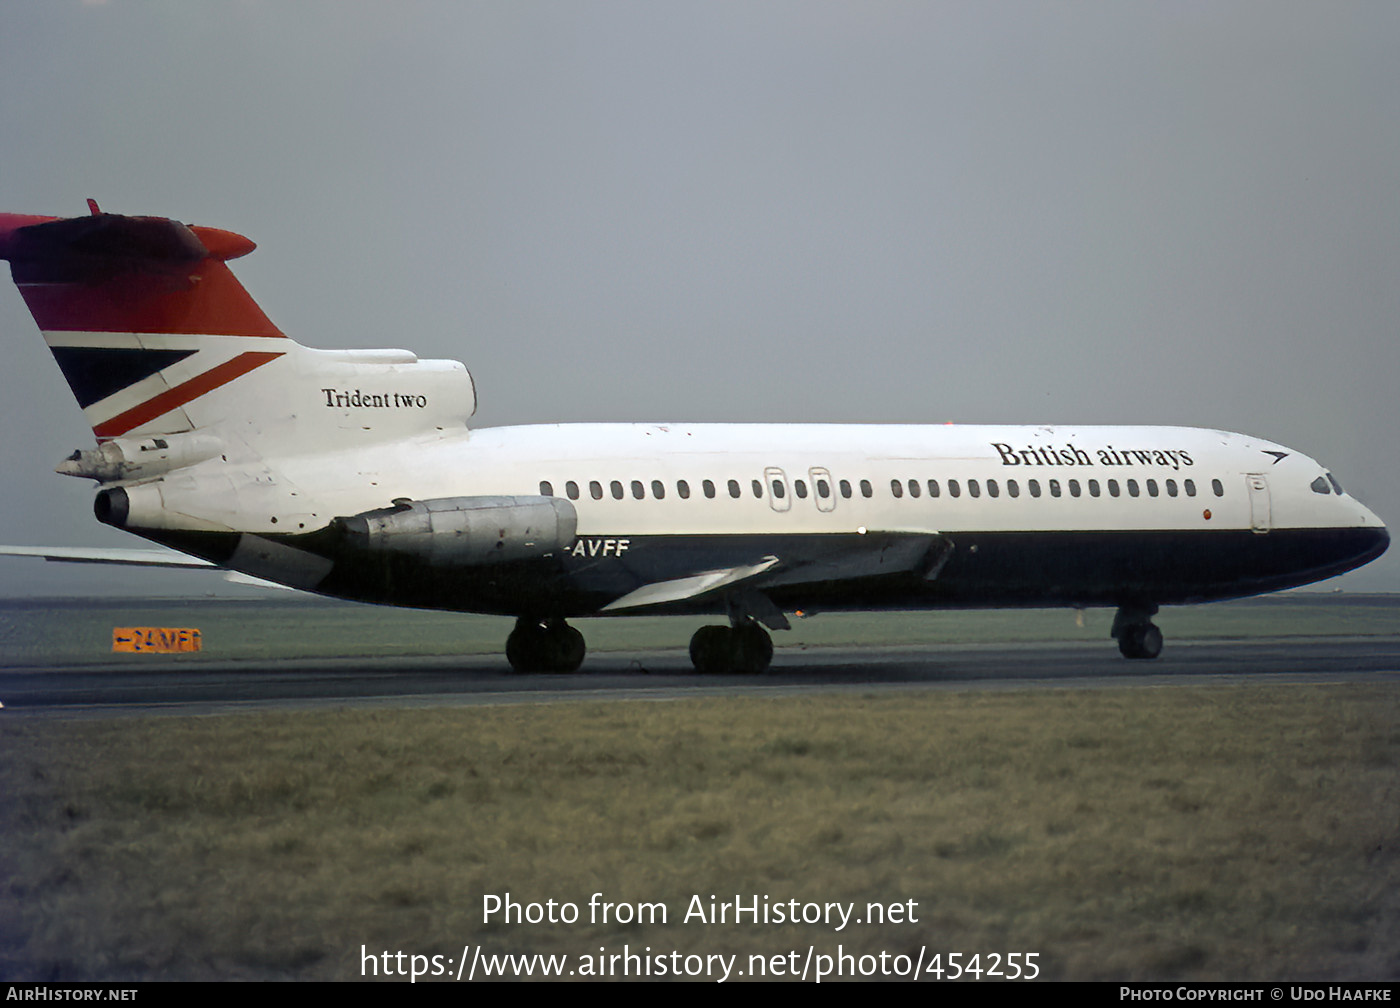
[155,640]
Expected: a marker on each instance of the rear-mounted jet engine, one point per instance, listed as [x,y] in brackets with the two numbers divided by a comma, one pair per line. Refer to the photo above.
[463,531]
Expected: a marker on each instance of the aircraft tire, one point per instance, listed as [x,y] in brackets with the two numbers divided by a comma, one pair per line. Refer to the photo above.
[521,650]
[551,647]
[709,650]
[742,650]
[567,648]
[1140,641]
[751,649]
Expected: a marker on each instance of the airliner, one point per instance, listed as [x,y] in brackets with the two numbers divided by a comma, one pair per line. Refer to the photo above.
[354,474]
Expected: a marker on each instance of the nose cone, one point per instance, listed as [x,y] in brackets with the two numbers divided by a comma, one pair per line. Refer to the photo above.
[1379,534]
[1362,542]
[1379,541]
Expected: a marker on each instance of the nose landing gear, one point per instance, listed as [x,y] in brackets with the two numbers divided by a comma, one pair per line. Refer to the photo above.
[1137,635]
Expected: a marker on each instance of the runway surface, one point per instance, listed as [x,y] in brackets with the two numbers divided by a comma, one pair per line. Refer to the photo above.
[116,689]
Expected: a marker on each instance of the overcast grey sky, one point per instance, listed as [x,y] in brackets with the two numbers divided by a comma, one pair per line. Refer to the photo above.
[1169,213]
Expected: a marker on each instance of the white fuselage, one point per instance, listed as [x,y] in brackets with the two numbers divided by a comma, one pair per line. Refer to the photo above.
[1043,478]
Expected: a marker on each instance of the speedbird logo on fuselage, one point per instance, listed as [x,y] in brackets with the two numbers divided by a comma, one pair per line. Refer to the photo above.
[1073,455]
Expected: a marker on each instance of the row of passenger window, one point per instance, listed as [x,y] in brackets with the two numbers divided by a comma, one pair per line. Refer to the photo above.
[1073,486]
[658,489]
[898,488]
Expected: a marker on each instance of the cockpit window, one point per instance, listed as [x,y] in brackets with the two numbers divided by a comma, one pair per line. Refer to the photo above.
[1319,485]
[1335,485]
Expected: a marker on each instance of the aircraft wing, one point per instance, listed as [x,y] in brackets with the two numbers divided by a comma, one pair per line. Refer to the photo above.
[661,592]
[88,554]
[133,558]
[920,551]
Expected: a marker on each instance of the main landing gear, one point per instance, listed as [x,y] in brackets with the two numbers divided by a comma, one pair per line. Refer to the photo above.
[1137,635]
[549,645]
[745,649]
[540,644]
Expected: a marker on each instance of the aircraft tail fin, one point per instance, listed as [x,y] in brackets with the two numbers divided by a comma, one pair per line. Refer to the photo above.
[155,336]
[108,273]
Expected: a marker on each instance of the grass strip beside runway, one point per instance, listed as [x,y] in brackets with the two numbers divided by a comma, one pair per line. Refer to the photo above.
[1193,833]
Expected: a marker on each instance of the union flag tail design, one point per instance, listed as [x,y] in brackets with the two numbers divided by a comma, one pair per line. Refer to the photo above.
[128,306]
[156,337]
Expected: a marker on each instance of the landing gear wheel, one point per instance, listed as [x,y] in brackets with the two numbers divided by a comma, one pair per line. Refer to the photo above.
[1140,640]
[548,646]
[1137,635]
[569,649]
[752,649]
[746,649]
[709,650]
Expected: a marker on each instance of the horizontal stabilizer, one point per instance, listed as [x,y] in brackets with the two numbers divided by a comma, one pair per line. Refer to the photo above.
[108,273]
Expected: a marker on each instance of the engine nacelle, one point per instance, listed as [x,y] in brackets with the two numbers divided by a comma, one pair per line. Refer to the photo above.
[140,458]
[463,531]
